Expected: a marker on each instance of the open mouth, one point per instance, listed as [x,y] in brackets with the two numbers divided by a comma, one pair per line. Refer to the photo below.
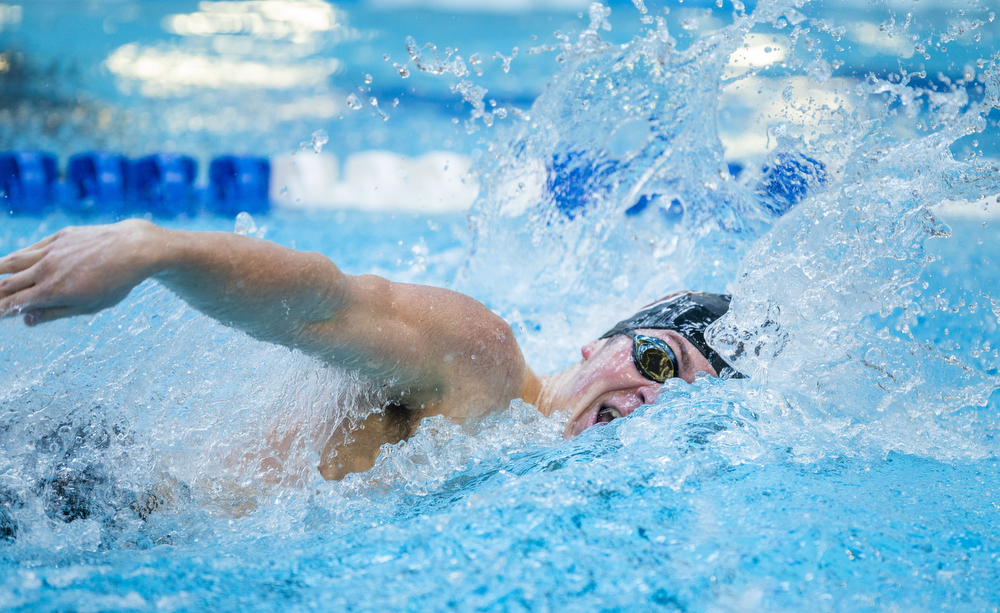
[607,414]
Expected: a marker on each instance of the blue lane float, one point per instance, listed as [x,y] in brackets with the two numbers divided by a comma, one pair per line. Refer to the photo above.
[163,184]
[237,183]
[28,181]
[97,183]
[109,184]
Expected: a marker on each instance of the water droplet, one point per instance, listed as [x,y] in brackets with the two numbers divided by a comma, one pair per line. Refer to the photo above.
[244,224]
[353,102]
[368,79]
[403,71]
[319,138]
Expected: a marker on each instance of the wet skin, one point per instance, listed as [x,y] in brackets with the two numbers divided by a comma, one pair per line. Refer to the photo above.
[437,351]
[606,384]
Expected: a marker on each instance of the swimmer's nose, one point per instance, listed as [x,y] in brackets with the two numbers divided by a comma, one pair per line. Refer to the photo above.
[649,393]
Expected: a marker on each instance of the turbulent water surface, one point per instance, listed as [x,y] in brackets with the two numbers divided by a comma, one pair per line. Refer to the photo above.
[152,459]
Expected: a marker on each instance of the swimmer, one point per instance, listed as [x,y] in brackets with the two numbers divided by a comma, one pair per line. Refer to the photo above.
[436,351]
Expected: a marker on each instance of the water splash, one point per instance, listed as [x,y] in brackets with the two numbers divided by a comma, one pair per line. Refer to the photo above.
[622,129]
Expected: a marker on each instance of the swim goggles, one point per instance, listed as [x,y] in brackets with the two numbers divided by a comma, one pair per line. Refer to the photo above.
[653,357]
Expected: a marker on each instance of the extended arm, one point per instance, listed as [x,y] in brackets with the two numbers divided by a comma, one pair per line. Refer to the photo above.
[447,350]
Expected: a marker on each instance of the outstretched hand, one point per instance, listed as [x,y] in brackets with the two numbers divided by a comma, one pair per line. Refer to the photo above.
[447,351]
[76,271]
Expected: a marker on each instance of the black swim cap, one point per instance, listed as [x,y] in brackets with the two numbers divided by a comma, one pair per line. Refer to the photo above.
[688,314]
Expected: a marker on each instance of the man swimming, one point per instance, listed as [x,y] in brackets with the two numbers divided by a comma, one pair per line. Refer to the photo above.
[436,351]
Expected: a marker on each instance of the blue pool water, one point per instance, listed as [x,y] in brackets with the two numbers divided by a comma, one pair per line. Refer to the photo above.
[856,469]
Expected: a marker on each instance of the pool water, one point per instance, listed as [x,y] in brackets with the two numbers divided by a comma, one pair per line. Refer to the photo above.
[855,469]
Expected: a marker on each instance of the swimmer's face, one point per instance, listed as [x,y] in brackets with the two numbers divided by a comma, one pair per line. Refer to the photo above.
[607,385]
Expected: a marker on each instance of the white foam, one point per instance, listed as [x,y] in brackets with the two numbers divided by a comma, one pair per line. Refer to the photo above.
[436,182]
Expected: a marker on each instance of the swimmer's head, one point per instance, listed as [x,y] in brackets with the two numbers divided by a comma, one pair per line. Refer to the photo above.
[625,368]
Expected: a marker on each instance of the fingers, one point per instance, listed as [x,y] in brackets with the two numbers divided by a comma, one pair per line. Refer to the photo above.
[26,257]
[21,302]
[17,282]
[42,243]
[20,260]
[40,316]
